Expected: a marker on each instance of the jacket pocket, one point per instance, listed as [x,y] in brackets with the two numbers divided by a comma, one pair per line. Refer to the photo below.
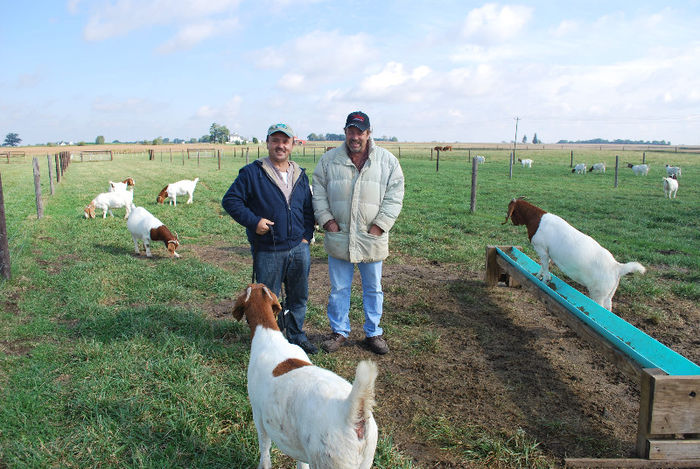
[336,244]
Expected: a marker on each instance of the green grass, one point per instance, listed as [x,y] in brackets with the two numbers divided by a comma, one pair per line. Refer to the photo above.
[110,360]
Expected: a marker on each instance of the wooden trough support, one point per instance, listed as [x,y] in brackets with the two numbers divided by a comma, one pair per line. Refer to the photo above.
[668,433]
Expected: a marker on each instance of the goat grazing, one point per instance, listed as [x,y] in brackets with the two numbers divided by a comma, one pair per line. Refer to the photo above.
[480,159]
[578,255]
[312,414]
[579,168]
[527,163]
[598,168]
[671,170]
[172,190]
[670,186]
[121,186]
[109,200]
[639,169]
[144,227]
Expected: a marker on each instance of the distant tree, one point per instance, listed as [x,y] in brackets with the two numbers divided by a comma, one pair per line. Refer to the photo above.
[100,140]
[315,137]
[81,143]
[116,141]
[335,137]
[524,138]
[158,141]
[535,139]
[193,140]
[12,140]
[255,140]
[394,139]
[218,133]
[166,140]
[204,139]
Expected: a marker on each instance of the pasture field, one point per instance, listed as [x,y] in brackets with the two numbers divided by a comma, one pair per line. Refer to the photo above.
[113,360]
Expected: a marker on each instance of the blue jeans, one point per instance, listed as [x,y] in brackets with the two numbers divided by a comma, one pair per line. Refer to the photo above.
[341,273]
[291,268]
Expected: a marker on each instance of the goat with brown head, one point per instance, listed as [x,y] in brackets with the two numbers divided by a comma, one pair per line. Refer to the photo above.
[259,305]
[521,212]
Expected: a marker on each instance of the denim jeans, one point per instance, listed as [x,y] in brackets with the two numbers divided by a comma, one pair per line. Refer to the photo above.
[341,273]
[291,268]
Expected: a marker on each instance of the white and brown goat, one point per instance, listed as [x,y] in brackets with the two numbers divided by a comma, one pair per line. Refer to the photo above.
[312,414]
[172,190]
[144,227]
[121,186]
[578,255]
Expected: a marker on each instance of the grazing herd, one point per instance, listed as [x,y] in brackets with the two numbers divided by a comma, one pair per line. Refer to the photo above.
[142,225]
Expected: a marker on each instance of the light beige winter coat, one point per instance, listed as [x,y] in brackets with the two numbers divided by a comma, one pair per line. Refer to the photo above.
[356,200]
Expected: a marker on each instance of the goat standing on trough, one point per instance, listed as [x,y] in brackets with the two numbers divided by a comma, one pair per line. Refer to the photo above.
[312,414]
[106,201]
[670,186]
[579,168]
[121,186]
[145,227]
[172,190]
[578,255]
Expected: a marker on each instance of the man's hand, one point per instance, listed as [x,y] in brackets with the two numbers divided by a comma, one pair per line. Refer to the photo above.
[375,230]
[332,226]
[263,226]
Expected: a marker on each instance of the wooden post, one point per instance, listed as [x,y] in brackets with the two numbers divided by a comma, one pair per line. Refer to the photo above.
[246,154]
[48,159]
[58,171]
[4,245]
[510,170]
[437,161]
[198,158]
[472,204]
[399,151]
[617,165]
[258,151]
[431,154]
[37,189]
[111,155]
[314,154]
[171,155]
[644,157]
[571,163]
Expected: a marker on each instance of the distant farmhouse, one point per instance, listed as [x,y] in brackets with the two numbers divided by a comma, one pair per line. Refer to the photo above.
[236,139]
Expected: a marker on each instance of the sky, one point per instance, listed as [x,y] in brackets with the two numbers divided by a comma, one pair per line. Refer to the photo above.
[445,71]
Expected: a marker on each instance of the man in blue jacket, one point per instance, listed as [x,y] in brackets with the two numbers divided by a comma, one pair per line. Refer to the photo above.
[271,198]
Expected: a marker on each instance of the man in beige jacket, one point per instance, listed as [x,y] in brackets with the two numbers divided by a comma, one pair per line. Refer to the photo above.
[358,192]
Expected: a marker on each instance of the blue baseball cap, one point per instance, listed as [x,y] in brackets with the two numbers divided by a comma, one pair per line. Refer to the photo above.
[284,128]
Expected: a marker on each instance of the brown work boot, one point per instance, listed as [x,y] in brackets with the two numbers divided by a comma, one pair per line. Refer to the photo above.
[334,343]
[376,344]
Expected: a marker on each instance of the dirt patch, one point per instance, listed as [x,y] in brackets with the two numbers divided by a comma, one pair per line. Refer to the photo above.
[490,358]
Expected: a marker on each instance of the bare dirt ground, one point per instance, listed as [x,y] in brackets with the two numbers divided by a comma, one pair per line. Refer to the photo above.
[490,358]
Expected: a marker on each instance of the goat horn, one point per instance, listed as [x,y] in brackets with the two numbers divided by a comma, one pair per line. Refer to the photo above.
[247,294]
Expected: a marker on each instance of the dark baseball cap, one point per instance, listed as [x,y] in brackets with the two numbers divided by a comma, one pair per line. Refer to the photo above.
[359,119]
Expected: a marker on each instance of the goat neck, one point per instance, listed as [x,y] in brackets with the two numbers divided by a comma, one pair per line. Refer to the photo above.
[521,212]
[260,307]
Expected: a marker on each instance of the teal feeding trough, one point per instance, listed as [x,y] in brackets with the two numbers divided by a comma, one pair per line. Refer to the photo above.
[640,347]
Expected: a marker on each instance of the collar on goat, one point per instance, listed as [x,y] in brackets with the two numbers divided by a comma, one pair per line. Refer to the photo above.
[259,305]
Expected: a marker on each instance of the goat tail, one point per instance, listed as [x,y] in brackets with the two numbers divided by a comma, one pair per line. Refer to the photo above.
[629,267]
[361,398]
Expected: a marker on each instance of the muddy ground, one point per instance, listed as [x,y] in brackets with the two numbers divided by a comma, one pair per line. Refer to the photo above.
[490,358]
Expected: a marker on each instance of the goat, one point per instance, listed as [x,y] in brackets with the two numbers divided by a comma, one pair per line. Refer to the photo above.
[598,168]
[526,162]
[121,186]
[579,168]
[145,227]
[109,200]
[670,186]
[480,159]
[639,169]
[578,255]
[312,414]
[172,190]
[671,170]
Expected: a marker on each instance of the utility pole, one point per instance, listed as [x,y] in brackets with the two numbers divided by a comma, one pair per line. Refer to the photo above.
[515,142]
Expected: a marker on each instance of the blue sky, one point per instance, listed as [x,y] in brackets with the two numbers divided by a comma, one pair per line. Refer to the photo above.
[423,71]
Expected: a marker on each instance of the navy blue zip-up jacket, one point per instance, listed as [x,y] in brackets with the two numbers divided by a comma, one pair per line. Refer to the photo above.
[254,195]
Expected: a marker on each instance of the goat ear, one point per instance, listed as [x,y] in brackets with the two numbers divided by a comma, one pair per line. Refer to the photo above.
[511,208]
[239,305]
[274,302]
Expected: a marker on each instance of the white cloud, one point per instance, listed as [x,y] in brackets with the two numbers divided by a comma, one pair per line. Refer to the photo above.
[495,24]
[192,34]
[105,104]
[123,16]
